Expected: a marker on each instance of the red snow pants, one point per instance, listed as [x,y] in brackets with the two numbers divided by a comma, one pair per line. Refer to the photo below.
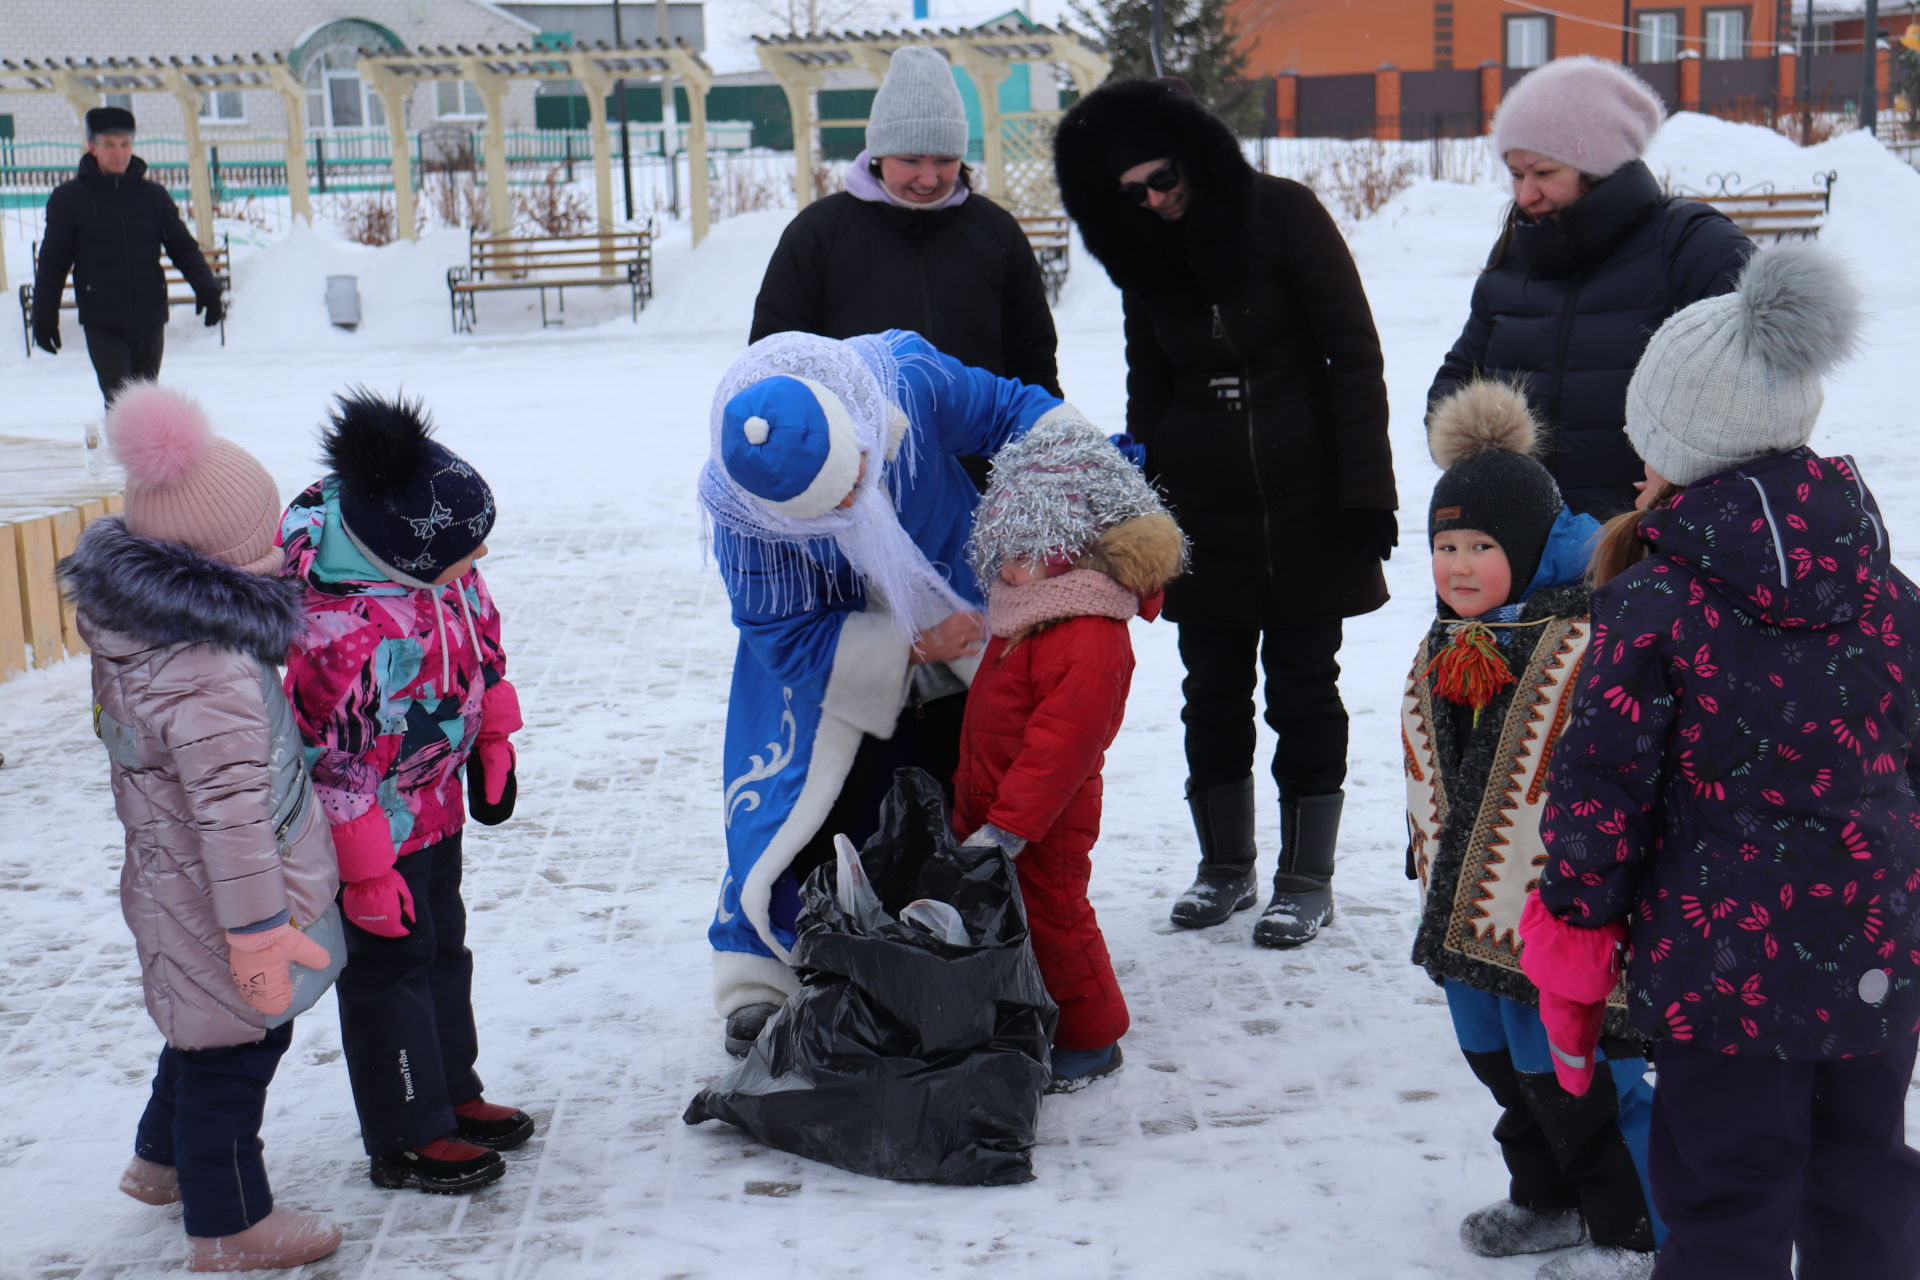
[1071,951]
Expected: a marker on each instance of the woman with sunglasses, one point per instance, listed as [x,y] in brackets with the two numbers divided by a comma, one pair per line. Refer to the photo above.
[1254,383]
[1591,260]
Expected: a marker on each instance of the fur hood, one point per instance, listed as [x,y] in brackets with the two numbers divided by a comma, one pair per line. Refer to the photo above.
[1140,252]
[1143,554]
[164,593]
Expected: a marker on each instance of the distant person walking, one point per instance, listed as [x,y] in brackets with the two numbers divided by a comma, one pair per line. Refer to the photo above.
[107,224]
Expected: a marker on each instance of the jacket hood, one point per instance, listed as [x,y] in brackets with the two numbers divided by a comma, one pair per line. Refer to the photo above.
[163,593]
[90,170]
[862,185]
[1139,250]
[315,547]
[1592,227]
[1793,540]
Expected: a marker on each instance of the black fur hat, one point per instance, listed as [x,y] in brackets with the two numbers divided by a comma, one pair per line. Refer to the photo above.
[410,504]
[108,120]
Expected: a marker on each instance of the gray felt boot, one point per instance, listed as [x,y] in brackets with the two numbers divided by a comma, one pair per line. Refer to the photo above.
[1503,1229]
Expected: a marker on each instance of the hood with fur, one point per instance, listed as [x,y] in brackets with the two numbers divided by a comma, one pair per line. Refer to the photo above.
[1143,554]
[1141,252]
[165,593]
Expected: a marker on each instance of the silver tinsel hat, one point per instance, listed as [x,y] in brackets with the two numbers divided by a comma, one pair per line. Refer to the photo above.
[1053,492]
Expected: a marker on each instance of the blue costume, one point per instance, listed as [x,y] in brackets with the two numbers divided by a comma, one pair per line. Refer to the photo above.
[821,660]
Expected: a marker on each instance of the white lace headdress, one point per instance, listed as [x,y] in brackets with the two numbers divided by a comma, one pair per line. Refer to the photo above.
[864,374]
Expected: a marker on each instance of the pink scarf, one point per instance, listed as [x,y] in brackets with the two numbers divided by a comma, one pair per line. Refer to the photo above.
[1078,593]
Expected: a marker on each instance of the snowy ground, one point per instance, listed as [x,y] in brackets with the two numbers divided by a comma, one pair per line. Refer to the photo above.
[1298,1114]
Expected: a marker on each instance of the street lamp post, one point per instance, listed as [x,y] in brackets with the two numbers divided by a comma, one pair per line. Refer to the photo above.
[620,97]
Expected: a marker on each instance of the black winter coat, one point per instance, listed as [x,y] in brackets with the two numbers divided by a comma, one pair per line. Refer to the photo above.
[109,230]
[963,278]
[1253,368]
[1568,305]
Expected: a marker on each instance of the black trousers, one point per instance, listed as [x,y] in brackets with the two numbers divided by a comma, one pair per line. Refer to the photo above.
[1752,1158]
[406,1011]
[121,355]
[1302,669]
[203,1121]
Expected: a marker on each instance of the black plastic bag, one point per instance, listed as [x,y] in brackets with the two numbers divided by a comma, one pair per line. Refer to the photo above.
[904,1055]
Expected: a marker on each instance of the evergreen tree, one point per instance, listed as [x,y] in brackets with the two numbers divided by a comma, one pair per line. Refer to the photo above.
[1198,44]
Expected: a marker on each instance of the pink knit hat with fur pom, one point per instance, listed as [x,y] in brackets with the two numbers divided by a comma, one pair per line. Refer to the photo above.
[1592,114]
[187,485]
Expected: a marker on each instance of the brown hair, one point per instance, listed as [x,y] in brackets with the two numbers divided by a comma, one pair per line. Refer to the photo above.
[1513,217]
[965,179]
[1620,546]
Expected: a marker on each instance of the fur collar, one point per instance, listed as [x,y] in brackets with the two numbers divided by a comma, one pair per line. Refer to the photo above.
[165,593]
[1140,252]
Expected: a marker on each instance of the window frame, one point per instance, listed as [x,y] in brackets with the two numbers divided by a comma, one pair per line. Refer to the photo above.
[463,91]
[209,104]
[1507,25]
[1740,47]
[1640,37]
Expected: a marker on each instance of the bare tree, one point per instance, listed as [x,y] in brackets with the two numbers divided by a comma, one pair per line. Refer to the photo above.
[806,17]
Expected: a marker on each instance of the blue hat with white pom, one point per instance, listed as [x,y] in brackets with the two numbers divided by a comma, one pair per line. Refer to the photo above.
[791,444]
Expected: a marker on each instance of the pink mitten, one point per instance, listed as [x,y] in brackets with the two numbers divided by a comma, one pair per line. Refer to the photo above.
[364,846]
[379,904]
[1575,970]
[259,963]
[499,717]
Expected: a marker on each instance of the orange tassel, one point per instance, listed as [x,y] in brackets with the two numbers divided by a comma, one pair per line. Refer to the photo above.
[1470,669]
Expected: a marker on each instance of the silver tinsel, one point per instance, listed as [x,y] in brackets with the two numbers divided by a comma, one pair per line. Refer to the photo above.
[1052,493]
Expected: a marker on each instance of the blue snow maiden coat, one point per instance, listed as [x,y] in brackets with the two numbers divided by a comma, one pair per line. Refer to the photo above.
[810,676]
[1737,777]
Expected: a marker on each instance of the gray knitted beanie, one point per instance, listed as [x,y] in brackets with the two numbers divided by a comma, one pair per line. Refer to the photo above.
[918,111]
[1734,378]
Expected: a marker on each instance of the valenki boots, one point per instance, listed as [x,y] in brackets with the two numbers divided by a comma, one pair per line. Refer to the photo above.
[1303,886]
[1223,819]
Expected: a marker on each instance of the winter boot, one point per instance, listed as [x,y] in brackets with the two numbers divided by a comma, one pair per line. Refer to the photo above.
[1584,1132]
[485,1124]
[284,1238]
[445,1166]
[744,1026]
[151,1183]
[1503,1229]
[1303,886]
[1599,1262]
[1075,1069]
[1223,819]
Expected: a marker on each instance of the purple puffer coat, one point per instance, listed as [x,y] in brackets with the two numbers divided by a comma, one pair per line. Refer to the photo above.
[222,828]
[1736,779]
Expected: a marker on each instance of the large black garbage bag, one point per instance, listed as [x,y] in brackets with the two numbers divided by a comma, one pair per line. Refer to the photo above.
[903,1055]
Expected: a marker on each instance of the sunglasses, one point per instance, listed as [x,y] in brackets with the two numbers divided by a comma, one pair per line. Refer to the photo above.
[1163,180]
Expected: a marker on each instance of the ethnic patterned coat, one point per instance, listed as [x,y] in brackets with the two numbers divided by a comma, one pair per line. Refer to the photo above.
[1736,778]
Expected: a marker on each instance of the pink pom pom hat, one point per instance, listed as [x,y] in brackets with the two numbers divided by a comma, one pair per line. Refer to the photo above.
[187,485]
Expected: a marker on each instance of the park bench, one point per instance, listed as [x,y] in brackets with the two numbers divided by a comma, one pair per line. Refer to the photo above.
[599,260]
[178,290]
[1763,212]
[1048,235]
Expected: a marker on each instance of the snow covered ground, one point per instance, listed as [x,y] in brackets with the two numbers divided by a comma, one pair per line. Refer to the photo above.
[1282,1114]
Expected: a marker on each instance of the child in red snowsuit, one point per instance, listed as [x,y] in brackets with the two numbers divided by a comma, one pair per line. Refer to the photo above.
[1073,543]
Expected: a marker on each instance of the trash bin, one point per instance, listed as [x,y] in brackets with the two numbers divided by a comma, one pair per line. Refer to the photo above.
[343,301]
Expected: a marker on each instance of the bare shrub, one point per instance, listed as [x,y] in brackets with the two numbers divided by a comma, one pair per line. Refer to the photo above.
[1361,178]
[457,200]
[369,219]
[742,190]
[554,207]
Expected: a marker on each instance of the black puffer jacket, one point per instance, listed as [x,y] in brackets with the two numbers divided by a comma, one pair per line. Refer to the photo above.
[963,278]
[109,230]
[1568,305]
[1253,368]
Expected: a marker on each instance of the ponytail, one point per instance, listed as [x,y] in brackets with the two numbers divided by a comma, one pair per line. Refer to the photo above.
[1620,545]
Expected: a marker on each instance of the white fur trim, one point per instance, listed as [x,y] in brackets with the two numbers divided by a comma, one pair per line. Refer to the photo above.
[868,683]
[741,978]
[837,475]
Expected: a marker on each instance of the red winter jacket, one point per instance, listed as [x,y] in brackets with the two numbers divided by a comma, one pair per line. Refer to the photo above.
[1039,721]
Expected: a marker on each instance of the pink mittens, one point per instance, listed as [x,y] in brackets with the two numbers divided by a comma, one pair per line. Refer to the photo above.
[1575,970]
[259,964]
[372,894]
[499,717]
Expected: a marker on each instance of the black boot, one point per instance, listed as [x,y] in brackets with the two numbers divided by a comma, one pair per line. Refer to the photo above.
[1223,819]
[1303,886]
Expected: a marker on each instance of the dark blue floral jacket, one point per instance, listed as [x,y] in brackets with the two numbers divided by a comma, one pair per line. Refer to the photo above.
[1736,779]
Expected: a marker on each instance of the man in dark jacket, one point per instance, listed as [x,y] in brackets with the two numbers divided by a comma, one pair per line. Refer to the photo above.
[107,224]
[1254,379]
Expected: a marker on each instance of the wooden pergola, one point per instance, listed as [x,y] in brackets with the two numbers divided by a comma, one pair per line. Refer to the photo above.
[988,54]
[490,69]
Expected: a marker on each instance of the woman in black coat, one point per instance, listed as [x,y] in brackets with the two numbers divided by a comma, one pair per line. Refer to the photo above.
[908,246]
[1254,383]
[1592,260]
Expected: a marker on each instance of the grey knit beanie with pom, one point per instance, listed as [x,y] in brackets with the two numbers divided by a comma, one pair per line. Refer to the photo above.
[1734,378]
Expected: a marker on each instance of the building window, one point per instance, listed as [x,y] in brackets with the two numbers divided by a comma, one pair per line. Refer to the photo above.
[336,97]
[222,106]
[1726,33]
[1529,41]
[1659,36]
[122,100]
[456,99]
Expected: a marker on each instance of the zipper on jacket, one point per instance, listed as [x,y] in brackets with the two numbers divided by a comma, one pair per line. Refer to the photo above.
[1560,358]
[1253,451]
[1220,327]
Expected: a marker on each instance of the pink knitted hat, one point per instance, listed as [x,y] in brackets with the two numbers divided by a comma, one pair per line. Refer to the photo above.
[1592,114]
[187,485]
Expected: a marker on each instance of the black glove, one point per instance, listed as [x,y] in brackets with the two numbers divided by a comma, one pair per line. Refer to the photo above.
[47,336]
[1377,531]
[216,310]
[491,815]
